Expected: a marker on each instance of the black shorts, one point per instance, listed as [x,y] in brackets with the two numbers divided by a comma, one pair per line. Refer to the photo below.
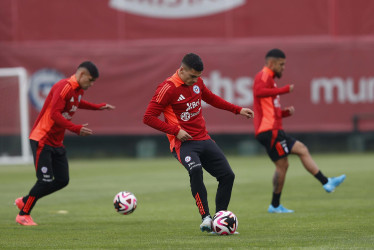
[50,162]
[277,143]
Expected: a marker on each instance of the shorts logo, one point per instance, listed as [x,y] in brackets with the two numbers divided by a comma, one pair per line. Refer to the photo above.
[44,170]
[41,83]
[282,148]
[187,159]
[196,89]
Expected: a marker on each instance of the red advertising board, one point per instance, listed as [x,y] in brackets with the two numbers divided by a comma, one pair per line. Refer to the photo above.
[121,20]
[329,46]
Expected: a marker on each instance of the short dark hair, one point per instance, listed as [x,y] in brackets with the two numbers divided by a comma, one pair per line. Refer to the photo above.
[193,61]
[276,53]
[91,67]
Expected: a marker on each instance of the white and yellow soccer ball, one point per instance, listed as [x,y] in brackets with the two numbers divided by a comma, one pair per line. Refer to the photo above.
[225,223]
[125,202]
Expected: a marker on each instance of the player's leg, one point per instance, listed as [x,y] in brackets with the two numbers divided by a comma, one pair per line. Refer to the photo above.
[60,170]
[43,155]
[329,184]
[43,163]
[51,171]
[279,177]
[277,148]
[188,155]
[215,163]
[309,164]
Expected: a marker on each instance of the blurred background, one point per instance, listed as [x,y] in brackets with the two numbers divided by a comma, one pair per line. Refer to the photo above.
[137,44]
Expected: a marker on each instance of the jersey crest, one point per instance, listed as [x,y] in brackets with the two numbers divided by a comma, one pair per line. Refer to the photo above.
[196,89]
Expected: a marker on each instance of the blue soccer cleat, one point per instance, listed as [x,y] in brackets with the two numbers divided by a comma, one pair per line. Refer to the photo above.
[333,182]
[280,209]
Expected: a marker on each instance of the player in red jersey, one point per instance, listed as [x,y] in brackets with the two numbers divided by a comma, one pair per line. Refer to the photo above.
[269,131]
[48,132]
[179,98]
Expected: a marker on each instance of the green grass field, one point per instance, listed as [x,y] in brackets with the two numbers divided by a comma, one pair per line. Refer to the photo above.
[167,218]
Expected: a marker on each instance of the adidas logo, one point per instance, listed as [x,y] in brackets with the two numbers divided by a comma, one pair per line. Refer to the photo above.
[72,99]
[181,97]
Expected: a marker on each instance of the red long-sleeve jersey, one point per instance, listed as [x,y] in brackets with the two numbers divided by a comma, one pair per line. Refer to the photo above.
[266,100]
[59,107]
[181,106]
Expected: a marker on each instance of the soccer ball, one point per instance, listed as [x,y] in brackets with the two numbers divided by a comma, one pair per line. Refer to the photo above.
[225,222]
[125,202]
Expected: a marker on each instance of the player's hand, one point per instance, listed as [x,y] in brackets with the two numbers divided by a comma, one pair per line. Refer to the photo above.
[108,107]
[85,131]
[247,112]
[291,110]
[183,135]
[291,88]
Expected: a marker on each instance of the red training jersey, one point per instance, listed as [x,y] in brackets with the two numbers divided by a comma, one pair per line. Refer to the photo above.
[181,106]
[59,107]
[266,100]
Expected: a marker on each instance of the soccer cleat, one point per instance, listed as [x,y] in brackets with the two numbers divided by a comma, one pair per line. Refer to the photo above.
[25,220]
[19,203]
[207,224]
[280,209]
[333,182]
[236,232]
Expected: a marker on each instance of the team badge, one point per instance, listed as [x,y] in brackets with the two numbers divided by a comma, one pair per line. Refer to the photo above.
[196,89]
[44,170]
[187,159]
[41,83]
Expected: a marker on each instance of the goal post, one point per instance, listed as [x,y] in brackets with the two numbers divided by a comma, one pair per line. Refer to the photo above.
[14,122]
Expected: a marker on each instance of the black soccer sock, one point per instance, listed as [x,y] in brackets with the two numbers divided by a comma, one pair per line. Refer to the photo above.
[224,190]
[199,191]
[323,179]
[29,204]
[276,199]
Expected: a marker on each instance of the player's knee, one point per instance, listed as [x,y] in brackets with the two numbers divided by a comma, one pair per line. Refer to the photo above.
[282,165]
[196,170]
[62,183]
[300,149]
[232,176]
[303,149]
[228,177]
[43,184]
[285,166]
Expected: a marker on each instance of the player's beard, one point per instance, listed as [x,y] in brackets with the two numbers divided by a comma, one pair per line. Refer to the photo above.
[278,74]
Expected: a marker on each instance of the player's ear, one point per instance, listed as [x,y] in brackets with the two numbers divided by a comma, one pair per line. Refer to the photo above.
[79,74]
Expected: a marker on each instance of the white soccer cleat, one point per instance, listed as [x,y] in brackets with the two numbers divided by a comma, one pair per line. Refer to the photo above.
[206,225]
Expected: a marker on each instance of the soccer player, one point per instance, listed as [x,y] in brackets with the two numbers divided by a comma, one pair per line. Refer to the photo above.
[269,131]
[179,98]
[47,134]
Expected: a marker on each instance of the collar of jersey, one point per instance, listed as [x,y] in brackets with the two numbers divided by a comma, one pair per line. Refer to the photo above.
[73,82]
[269,71]
[176,79]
